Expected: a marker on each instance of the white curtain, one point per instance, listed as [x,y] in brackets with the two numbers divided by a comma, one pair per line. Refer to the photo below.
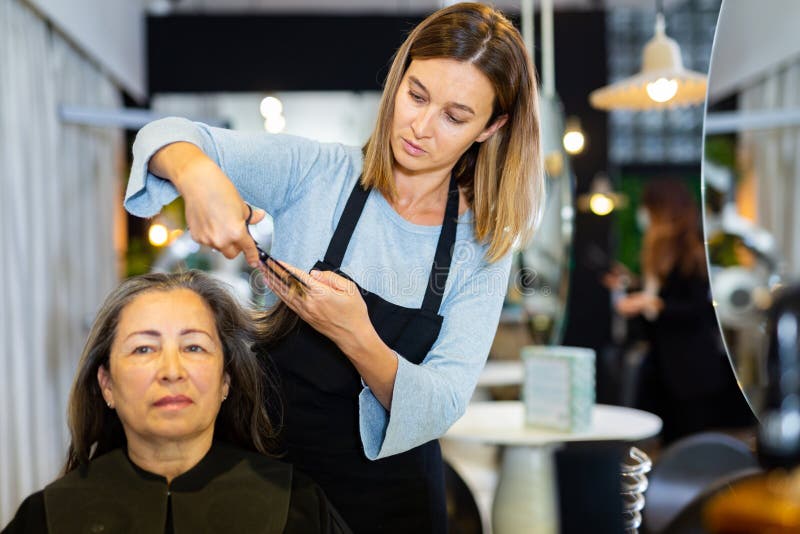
[773,156]
[59,192]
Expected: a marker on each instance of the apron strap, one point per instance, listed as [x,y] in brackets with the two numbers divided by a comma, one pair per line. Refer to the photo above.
[347,224]
[444,252]
[444,248]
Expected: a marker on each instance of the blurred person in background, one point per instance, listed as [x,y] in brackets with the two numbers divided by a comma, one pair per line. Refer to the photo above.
[686,377]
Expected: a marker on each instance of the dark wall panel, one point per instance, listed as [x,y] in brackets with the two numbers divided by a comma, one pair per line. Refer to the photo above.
[269,53]
[580,44]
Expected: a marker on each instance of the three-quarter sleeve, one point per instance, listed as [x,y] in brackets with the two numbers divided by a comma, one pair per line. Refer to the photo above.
[428,398]
[269,170]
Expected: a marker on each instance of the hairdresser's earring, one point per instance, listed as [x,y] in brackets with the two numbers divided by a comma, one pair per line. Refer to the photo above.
[109,405]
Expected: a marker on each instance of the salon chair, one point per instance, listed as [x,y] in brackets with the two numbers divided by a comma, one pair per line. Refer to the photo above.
[690,520]
[688,469]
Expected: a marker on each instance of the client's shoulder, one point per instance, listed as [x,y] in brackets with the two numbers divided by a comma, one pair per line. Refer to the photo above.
[30,517]
[103,470]
[257,463]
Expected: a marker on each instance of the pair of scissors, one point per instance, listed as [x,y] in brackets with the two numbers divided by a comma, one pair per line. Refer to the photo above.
[288,278]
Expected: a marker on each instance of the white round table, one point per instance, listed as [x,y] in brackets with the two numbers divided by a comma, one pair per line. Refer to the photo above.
[503,423]
[498,373]
[524,500]
[501,373]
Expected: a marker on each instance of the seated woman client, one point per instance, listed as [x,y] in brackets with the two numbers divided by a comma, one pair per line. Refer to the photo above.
[169,431]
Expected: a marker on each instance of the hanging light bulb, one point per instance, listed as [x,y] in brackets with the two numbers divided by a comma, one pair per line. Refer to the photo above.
[270,106]
[275,124]
[574,142]
[662,90]
[661,83]
[601,204]
[158,234]
[574,139]
[271,109]
[601,199]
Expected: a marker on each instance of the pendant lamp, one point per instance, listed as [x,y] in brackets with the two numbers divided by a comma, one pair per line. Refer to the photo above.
[601,199]
[661,83]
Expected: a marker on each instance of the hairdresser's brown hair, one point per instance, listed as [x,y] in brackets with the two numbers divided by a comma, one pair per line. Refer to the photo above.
[672,239]
[243,418]
[502,177]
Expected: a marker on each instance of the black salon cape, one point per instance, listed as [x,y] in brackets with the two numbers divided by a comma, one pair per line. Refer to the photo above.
[229,490]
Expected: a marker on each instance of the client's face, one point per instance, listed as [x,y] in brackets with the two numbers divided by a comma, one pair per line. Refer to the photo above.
[165,377]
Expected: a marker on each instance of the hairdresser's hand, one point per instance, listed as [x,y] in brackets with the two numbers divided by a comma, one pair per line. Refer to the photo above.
[331,304]
[334,307]
[639,303]
[618,278]
[215,212]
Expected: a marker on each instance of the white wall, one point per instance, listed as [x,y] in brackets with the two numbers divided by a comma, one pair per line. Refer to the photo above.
[752,38]
[110,32]
[334,116]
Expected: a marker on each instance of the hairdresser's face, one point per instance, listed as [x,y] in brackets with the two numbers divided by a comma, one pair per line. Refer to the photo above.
[165,377]
[442,107]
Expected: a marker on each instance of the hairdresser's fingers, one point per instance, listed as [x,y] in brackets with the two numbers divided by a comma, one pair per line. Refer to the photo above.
[213,207]
[284,292]
[306,278]
[229,251]
[245,243]
[333,280]
[248,247]
[258,215]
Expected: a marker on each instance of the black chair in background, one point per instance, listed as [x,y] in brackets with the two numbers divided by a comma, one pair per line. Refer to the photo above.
[690,520]
[463,516]
[687,470]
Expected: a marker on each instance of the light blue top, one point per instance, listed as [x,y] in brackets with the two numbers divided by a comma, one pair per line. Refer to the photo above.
[304,185]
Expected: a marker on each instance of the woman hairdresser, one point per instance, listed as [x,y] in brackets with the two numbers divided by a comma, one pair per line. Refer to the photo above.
[169,432]
[408,245]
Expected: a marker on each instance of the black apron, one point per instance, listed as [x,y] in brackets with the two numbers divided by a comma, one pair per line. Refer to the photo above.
[402,493]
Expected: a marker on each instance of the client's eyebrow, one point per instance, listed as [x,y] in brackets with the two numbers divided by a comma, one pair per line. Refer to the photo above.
[464,107]
[195,331]
[151,333]
[156,333]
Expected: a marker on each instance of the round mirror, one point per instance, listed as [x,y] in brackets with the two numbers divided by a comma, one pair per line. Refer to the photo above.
[751,174]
